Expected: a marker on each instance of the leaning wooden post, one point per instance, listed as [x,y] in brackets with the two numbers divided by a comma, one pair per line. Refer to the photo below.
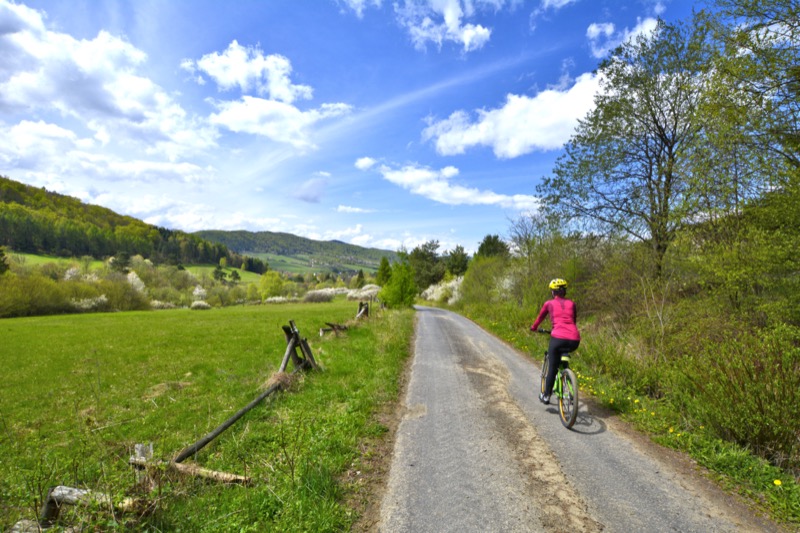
[199,445]
[142,454]
[307,351]
[292,340]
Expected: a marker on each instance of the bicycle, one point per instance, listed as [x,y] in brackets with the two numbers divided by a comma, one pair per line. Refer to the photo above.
[565,388]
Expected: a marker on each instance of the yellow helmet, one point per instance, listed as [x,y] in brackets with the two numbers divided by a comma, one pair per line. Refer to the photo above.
[557,283]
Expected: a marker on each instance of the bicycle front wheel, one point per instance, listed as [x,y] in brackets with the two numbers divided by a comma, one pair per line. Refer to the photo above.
[568,402]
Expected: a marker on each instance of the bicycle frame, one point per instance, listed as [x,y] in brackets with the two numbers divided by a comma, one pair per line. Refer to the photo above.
[558,388]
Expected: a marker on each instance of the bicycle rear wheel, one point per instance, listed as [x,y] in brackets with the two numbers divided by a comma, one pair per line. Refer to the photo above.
[544,374]
[568,402]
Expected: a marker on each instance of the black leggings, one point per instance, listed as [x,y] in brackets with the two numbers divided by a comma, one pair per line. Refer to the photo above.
[554,351]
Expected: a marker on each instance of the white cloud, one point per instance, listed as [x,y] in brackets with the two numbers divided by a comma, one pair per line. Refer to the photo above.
[278,121]
[440,21]
[556,4]
[603,37]
[197,217]
[365,163]
[435,185]
[359,5]
[249,69]
[51,156]
[93,81]
[349,209]
[523,124]
[545,5]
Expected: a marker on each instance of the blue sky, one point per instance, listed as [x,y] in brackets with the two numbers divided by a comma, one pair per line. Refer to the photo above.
[375,122]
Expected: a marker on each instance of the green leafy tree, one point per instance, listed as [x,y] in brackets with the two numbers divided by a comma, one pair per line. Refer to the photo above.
[219,274]
[762,56]
[457,261]
[627,169]
[270,284]
[401,290]
[359,280]
[428,267]
[3,261]
[492,246]
[120,262]
[384,272]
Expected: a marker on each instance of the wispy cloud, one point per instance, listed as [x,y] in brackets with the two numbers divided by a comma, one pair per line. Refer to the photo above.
[312,190]
[438,22]
[604,37]
[358,6]
[349,209]
[436,185]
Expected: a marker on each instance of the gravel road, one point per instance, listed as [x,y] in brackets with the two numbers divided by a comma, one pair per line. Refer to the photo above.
[476,451]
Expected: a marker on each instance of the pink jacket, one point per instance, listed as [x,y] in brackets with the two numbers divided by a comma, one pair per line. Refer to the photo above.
[564,316]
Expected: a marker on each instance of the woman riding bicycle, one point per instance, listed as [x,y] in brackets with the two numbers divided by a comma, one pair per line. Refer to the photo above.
[565,336]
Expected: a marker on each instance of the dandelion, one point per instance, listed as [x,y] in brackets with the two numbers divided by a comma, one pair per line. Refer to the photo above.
[636,400]
[611,400]
[671,430]
[652,413]
[777,482]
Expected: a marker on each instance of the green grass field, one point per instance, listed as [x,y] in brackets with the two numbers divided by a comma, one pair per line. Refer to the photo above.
[244,276]
[39,260]
[79,391]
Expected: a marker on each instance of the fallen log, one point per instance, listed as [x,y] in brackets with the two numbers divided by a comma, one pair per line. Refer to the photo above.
[191,470]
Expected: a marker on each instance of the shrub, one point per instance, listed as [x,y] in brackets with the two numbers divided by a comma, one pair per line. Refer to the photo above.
[31,295]
[200,305]
[320,296]
[279,300]
[98,303]
[366,292]
[158,304]
[748,391]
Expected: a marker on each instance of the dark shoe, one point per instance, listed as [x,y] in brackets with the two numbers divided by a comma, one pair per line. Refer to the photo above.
[544,399]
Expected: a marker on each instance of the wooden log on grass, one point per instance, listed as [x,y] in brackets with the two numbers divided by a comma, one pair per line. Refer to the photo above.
[191,470]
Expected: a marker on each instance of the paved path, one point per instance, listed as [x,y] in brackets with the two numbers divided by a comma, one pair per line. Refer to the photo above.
[476,451]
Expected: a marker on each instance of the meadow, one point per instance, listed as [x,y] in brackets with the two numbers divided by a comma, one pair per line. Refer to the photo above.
[79,391]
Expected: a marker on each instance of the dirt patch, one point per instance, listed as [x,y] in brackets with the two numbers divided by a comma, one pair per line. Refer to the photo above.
[162,388]
[560,506]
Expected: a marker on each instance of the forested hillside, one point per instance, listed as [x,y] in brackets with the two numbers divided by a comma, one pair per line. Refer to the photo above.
[330,255]
[43,222]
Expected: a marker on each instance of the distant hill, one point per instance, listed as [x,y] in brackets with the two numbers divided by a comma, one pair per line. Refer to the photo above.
[39,221]
[291,253]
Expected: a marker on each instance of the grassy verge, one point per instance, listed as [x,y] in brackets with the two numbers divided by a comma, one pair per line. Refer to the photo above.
[80,391]
[601,374]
